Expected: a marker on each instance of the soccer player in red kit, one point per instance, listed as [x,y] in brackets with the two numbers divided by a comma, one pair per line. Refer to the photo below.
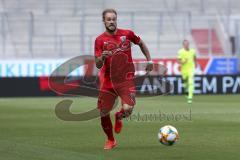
[113,58]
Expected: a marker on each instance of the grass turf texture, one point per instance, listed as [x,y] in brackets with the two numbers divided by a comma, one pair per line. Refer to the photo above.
[29,129]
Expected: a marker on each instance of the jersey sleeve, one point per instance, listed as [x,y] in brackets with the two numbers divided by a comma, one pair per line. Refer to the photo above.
[98,48]
[134,38]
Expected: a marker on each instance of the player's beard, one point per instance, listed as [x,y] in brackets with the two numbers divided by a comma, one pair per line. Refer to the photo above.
[111,30]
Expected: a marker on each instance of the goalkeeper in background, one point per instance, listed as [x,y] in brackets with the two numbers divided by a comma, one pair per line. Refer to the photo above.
[187,60]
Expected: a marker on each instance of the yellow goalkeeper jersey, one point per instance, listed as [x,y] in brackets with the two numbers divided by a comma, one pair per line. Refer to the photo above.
[187,56]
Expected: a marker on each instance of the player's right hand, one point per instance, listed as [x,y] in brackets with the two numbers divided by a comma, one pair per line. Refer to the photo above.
[184,61]
[106,54]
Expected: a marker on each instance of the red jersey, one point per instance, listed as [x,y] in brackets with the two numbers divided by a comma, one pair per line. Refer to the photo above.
[119,67]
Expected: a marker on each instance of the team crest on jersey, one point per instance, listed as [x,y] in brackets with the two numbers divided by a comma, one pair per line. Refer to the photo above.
[123,38]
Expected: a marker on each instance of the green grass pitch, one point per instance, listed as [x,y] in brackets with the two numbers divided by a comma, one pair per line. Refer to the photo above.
[209,129]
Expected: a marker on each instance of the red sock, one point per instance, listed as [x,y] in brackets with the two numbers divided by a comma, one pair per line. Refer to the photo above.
[107,126]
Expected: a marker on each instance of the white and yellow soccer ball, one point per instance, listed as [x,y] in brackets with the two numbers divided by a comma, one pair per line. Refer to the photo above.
[168,135]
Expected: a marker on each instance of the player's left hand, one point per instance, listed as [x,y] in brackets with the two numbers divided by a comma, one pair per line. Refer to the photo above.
[149,68]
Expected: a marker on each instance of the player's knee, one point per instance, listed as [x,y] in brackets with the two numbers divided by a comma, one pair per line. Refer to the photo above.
[104,112]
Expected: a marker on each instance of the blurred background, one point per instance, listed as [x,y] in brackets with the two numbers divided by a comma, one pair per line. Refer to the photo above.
[37,36]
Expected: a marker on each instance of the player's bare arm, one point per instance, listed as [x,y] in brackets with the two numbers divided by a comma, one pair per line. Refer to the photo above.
[146,53]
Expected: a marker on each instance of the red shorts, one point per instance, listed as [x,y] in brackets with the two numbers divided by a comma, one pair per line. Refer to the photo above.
[108,96]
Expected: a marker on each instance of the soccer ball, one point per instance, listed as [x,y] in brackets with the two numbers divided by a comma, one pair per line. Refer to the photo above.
[168,135]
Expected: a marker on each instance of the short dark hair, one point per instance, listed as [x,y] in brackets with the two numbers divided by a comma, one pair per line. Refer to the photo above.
[185,40]
[109,10]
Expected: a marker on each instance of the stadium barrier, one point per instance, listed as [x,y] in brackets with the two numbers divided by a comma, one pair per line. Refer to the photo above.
[39,86]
